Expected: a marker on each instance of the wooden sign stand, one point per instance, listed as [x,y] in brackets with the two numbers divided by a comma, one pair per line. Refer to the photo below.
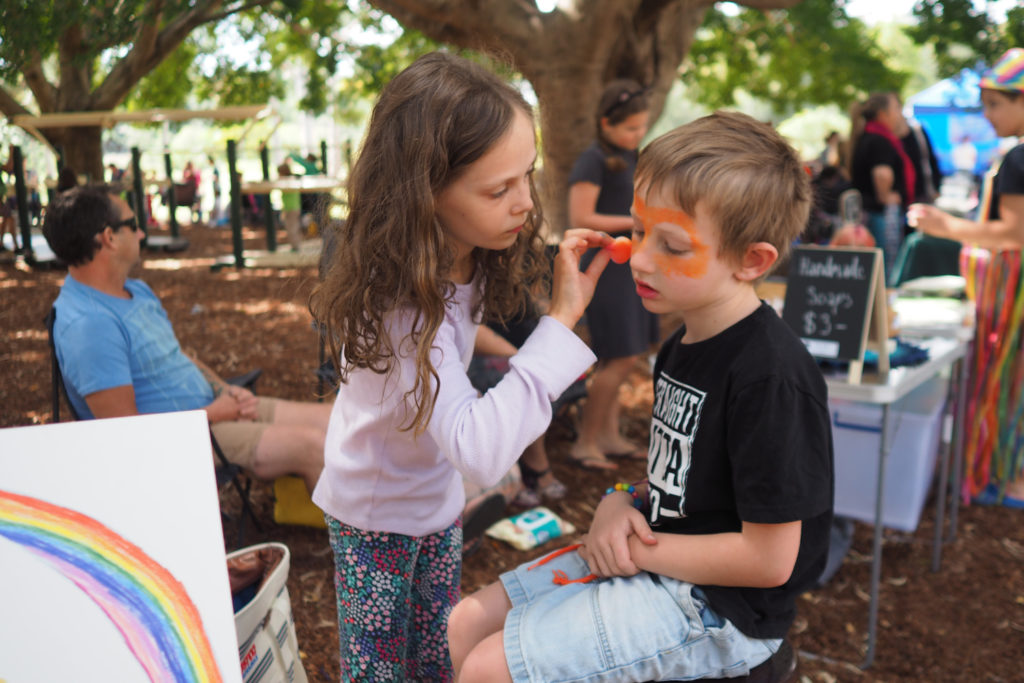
[876,331]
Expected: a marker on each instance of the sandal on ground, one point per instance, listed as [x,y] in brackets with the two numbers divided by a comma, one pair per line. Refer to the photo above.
[526,498]
[556,490]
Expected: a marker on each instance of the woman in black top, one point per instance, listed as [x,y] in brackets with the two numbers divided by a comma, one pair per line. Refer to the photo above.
[881,170]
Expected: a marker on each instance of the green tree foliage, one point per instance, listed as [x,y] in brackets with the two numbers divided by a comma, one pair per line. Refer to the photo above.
[97,55]
[380,52]
[169,85]
[30,28]
[811,54]
[239,59]
[964,36]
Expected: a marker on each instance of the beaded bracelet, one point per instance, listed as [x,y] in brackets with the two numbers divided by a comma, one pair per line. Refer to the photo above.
[628,488]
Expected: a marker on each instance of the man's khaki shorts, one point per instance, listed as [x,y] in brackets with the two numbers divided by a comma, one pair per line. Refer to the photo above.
[239,439]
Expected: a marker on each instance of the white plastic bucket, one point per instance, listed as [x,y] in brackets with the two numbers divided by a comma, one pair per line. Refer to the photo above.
[268,649]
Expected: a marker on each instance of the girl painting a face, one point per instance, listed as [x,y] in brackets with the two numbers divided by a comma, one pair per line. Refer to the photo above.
[442,234]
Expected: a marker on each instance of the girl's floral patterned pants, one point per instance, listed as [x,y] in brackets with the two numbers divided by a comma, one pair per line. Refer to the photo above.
[394,594]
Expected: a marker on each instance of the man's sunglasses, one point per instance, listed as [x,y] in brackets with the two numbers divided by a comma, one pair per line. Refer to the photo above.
[132,223]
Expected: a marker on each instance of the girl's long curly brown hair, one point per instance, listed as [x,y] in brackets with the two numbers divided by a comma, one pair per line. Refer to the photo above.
[431,122]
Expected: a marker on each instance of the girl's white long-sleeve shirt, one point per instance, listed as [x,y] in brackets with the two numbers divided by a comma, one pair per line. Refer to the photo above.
[378,477]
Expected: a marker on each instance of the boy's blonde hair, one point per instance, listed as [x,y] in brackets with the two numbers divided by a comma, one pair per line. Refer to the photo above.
[748,177]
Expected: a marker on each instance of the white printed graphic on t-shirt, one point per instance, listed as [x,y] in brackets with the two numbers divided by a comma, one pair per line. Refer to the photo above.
[676,414]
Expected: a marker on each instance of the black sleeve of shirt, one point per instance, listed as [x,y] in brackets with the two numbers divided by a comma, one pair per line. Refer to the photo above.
[1011,172]
[782,455]
[589,168]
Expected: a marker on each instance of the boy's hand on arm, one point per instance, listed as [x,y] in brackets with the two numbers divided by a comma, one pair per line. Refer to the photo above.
[572,289]
[759,556]
[606,548]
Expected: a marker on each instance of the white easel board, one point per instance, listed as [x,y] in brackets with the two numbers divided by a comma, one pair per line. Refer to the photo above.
[112,562]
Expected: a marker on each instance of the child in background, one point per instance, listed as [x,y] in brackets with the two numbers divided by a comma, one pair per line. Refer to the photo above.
[621,331]
[442,234]
[695,572]
[291,211]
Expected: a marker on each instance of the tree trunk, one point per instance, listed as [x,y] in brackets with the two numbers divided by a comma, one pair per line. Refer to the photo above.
[648,51]
[82,147]
[568,56]
[160,27]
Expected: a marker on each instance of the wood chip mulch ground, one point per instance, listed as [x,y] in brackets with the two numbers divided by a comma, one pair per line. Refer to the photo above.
[964,623]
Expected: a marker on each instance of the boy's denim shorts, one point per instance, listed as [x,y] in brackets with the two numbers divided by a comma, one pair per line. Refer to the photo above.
[639,628]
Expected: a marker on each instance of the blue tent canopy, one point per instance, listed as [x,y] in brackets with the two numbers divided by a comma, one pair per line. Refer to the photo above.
[951,112]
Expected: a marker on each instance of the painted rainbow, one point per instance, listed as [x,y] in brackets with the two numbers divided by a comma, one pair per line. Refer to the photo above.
[151,609]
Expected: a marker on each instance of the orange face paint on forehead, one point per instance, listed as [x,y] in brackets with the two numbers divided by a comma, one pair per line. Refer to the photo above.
[692,264]
[653,215]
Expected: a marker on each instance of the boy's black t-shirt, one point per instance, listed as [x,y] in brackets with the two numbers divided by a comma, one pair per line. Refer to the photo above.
[741,431]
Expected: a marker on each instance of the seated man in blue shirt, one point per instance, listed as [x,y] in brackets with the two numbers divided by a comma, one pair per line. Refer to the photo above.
[119,355]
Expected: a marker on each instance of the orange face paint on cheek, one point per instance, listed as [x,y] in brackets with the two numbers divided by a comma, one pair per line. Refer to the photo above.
[693,264]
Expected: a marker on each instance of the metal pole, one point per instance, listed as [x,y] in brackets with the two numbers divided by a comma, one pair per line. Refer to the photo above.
[323,157]
[876,544]
[268,210]
[945,452]
[140,196]
[959,438]
[172,198]
[236,205]
[21,193]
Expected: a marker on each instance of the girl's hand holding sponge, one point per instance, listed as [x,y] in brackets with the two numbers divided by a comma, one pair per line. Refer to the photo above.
[620,248]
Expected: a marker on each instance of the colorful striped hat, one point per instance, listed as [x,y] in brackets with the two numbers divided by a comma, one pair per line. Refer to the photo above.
[1007,73]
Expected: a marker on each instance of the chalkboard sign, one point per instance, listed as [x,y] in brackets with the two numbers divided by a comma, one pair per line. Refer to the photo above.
[831,294]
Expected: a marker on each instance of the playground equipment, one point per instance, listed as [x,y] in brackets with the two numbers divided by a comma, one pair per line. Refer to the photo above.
[320,184]
[254,113]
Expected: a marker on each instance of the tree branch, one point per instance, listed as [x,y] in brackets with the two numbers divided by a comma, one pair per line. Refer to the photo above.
[432,19]
[241,8]
[153,44]
[9,106]
[44,91]
[75,70]
[768,4]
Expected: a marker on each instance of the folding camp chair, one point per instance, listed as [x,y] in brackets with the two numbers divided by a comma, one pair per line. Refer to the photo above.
[226,472]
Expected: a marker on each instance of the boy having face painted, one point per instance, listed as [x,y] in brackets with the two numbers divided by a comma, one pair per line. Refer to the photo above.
[695,572]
